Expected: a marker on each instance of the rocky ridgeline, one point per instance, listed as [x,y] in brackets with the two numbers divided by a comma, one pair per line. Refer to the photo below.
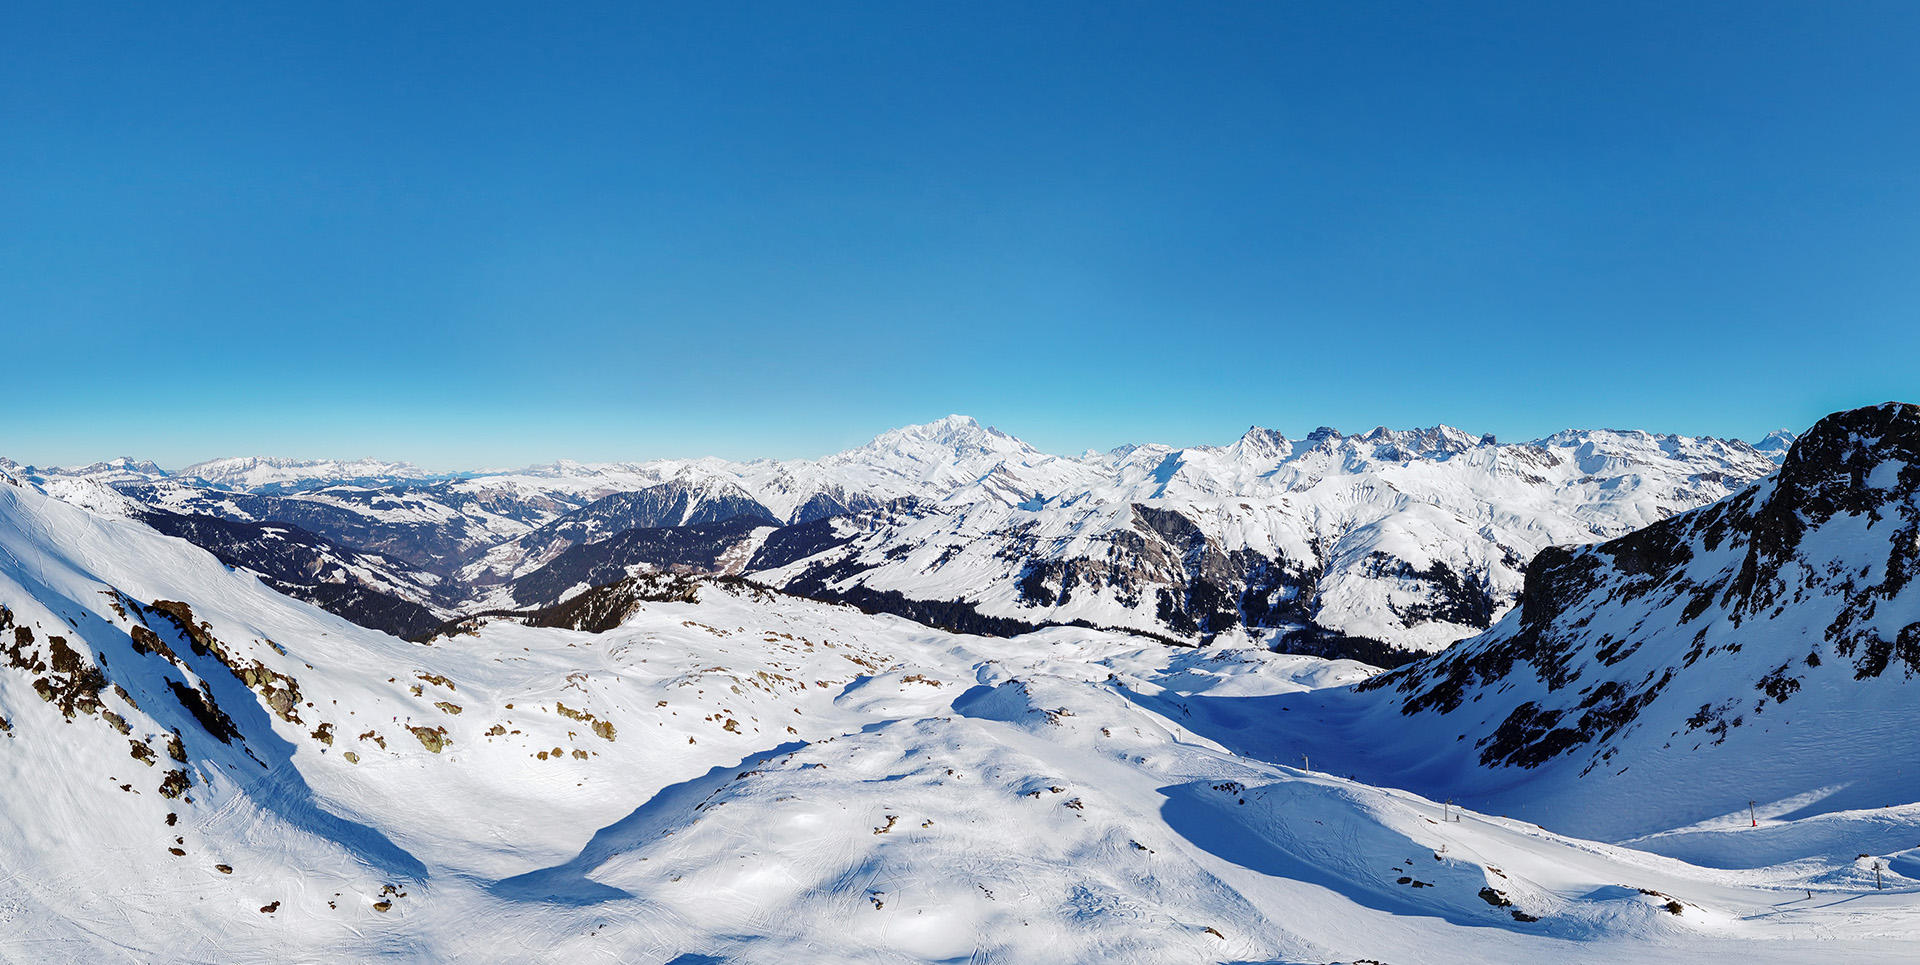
[1787,608]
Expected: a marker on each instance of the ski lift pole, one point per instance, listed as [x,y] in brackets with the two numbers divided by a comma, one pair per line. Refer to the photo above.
[1751,816]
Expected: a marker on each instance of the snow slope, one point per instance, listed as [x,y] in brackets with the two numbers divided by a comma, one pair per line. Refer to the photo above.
[737,775]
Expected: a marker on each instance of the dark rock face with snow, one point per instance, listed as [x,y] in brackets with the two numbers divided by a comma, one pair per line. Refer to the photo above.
[418,528]
[1748,645]
[673,504]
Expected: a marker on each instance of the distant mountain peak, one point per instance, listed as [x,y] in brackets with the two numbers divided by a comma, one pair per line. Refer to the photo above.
[267,473]
[1776,443]
[955,435]
[1437,440]
[1261,443]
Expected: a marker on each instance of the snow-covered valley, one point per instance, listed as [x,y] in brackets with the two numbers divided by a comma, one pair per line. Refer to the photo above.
[201,768]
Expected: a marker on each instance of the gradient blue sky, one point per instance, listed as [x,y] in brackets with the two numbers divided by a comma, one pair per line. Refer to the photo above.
[490,234]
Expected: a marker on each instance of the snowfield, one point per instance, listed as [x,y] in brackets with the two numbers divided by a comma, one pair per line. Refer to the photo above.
[196,768]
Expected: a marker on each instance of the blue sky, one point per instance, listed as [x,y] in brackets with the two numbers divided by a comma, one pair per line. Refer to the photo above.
[489,234]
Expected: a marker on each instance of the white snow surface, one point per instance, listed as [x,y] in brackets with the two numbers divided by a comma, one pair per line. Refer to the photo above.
[754,778]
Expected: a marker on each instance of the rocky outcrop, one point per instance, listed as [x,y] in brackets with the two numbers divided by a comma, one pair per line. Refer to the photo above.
[1711,618]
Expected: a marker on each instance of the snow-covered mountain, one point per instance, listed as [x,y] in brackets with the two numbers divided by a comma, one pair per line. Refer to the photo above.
[194,767]
[260,474]
[434,526]
[1762,649]
[125,469]
[678,502]
[1380,545]
[1348,544]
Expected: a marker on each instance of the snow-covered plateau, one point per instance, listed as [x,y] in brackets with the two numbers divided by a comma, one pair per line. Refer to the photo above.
[695,724]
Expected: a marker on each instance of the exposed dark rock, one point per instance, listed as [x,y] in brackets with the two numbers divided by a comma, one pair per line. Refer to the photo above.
[73,685]
[201,705]
[434,739]
[1574,614]
[175,784]
[279,691]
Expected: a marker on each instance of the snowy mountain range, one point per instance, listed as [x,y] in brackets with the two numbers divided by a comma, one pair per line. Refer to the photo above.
[1382,545]
[681,767]
[1761,649]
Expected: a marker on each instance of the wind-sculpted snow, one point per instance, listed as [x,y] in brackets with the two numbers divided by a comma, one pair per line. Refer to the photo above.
[202,769]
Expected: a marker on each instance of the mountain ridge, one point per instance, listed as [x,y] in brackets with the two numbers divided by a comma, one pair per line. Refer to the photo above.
[223,471]
[1643,679]
[1379,543]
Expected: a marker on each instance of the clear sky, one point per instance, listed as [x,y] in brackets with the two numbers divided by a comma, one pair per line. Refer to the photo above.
[488,234]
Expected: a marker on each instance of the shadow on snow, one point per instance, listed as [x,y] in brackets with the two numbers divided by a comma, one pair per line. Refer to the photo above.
[568,884]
